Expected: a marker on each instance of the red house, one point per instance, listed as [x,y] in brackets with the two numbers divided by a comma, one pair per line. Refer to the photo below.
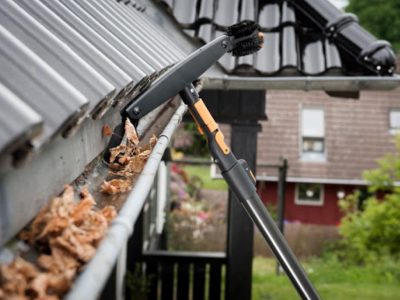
[328,143]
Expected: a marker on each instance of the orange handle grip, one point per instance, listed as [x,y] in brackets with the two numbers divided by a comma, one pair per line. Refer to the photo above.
[211,125]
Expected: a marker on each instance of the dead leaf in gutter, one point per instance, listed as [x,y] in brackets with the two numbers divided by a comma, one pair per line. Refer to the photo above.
[107,131]
[70,231]
[59,261]
[116,151]
[109,213]
[144,154]
[126,160]
[115,186]
[131,133]
[153,141]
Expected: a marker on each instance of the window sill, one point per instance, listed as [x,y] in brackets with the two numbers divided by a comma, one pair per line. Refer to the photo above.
[313,157]
[308,203]
[394,131]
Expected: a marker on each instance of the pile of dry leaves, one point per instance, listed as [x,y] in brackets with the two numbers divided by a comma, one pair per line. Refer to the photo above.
[126,160]
[67,233]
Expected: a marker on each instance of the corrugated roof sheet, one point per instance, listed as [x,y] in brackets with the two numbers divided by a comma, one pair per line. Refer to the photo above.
[62,61]
[56,53]
[59,103]
[303,37]
[18,121]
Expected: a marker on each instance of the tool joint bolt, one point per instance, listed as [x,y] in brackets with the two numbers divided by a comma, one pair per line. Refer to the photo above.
[136,110]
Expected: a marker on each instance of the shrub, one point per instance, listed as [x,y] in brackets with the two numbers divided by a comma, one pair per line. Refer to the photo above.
[372,230]
[190,141]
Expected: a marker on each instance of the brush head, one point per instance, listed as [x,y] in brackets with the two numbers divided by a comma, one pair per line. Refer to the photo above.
[247,38]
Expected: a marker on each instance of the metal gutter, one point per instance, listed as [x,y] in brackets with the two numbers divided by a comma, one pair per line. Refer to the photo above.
[92,280]
[46,171]
[44,175]
[307,83]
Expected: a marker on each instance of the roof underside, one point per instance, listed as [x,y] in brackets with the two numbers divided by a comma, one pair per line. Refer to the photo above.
[302,37]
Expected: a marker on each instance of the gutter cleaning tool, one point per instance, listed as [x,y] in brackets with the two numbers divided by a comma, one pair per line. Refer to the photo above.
[241,39]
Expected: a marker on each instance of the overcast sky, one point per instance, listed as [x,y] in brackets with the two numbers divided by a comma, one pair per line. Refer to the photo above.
[340,3]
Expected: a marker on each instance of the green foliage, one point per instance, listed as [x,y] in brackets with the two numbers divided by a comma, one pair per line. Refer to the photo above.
[388,172]
[380,17]
[194,187]
[331,279]
[273,210]
[371,231]
[204,173]
[199,146]
[137,284]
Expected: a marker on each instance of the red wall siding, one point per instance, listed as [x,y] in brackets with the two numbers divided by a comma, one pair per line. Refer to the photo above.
[327,214]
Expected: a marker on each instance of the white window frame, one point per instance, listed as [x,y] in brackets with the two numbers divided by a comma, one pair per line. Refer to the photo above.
[298,201]
[311,157]
[393,130]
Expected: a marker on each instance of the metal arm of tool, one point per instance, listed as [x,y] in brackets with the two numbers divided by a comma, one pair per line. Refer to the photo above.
[242,182]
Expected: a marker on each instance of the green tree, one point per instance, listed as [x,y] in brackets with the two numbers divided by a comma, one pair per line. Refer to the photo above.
[380,17]
[372,231]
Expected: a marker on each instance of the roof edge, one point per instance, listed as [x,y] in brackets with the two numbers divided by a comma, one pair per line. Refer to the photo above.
[315,180]
[216,175]
[306,83]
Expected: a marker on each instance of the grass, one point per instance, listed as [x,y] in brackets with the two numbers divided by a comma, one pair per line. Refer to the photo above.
[331,279]
[204,173]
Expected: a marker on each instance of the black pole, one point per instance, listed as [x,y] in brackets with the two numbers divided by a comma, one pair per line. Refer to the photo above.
[240,226]
[281,196]
[242,184]
[281,203]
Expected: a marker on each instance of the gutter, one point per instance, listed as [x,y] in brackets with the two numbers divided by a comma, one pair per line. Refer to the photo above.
[91,281]
[41,175]
[307,83]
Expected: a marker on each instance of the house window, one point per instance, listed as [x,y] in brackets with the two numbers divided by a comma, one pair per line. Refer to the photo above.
[394,120]
[309,194]
[312,134]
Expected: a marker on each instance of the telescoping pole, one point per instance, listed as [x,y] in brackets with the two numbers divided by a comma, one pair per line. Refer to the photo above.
[242,182]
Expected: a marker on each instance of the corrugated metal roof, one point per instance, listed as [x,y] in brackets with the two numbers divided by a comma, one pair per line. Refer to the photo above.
[18,122]
[56,53]
[59,103]
[302,37]
[62,61]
